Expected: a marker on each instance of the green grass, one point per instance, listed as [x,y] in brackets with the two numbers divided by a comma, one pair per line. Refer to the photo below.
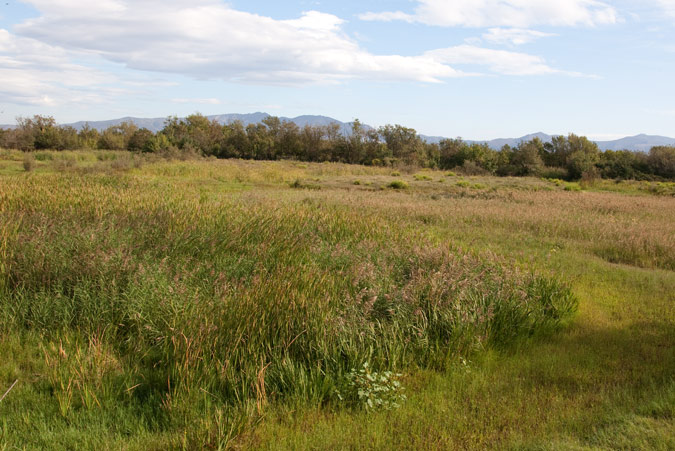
[156,304]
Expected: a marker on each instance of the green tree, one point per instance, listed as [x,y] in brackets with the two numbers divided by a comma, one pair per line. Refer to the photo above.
[260,142]
[452,153]
[88,137]
[375,151]
[288,140]
[273,125]
[583,156]
[526,158]
[557,152]
[661,161]
[140,140]
[355,148]
[235,143]
[623,164]
[403,143]
[38,132]
[313,143]
[67,138]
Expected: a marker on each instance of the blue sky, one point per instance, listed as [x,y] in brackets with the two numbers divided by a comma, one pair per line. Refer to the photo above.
[479,69]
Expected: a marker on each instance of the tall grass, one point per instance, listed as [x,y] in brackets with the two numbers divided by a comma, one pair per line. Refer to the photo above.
[170,298]
[177,303]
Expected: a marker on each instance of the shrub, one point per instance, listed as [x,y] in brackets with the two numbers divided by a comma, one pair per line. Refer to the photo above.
[421,177]
[398,184]
[64,164]
[661,161]
[472,168]
[372,390]
[554,173]
[29,163]
[395,174]
[299,184]
[571,186]
[43,156]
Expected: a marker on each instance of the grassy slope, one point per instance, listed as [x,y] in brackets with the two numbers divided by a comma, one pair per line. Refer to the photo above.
[606,382]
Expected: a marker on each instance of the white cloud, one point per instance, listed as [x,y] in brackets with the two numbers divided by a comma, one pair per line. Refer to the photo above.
[513,36]
[498,61]
[387,16]
[505,13]
[34,73]
[57,60]
[208,101]
[668,6]
[209,39]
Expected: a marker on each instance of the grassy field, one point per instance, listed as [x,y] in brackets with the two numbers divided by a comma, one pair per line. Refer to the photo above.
[151,304]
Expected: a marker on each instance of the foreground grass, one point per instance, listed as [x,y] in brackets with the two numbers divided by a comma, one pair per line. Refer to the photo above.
[124,289]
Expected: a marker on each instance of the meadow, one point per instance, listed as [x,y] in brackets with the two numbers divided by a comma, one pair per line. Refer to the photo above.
[156,304]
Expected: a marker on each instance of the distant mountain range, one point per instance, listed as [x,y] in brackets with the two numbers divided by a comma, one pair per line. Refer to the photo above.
[638,143]
[156,124]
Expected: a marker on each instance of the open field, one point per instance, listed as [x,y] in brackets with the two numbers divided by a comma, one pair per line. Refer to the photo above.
[151,304]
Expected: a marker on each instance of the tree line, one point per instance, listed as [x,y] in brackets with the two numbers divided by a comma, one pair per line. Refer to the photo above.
[569,157]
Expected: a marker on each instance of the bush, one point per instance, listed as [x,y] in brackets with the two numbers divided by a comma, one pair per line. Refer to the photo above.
[554,173]
[421,177]
[398,184]
[571,186]
[471,168]
[299,184]
[371,390]
[29,163]
[661,161]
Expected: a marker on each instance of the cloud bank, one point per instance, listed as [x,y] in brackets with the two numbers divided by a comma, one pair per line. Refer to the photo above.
[34,73]
[208,39]
[64,55]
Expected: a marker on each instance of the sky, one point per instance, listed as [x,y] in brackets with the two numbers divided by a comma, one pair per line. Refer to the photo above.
[476,69]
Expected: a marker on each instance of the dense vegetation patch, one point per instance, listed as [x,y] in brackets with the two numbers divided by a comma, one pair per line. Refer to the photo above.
[170,301]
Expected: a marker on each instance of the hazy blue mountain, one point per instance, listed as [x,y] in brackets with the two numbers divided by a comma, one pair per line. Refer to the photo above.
[639,142]
[513,142]
[246,119]
[154,124]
